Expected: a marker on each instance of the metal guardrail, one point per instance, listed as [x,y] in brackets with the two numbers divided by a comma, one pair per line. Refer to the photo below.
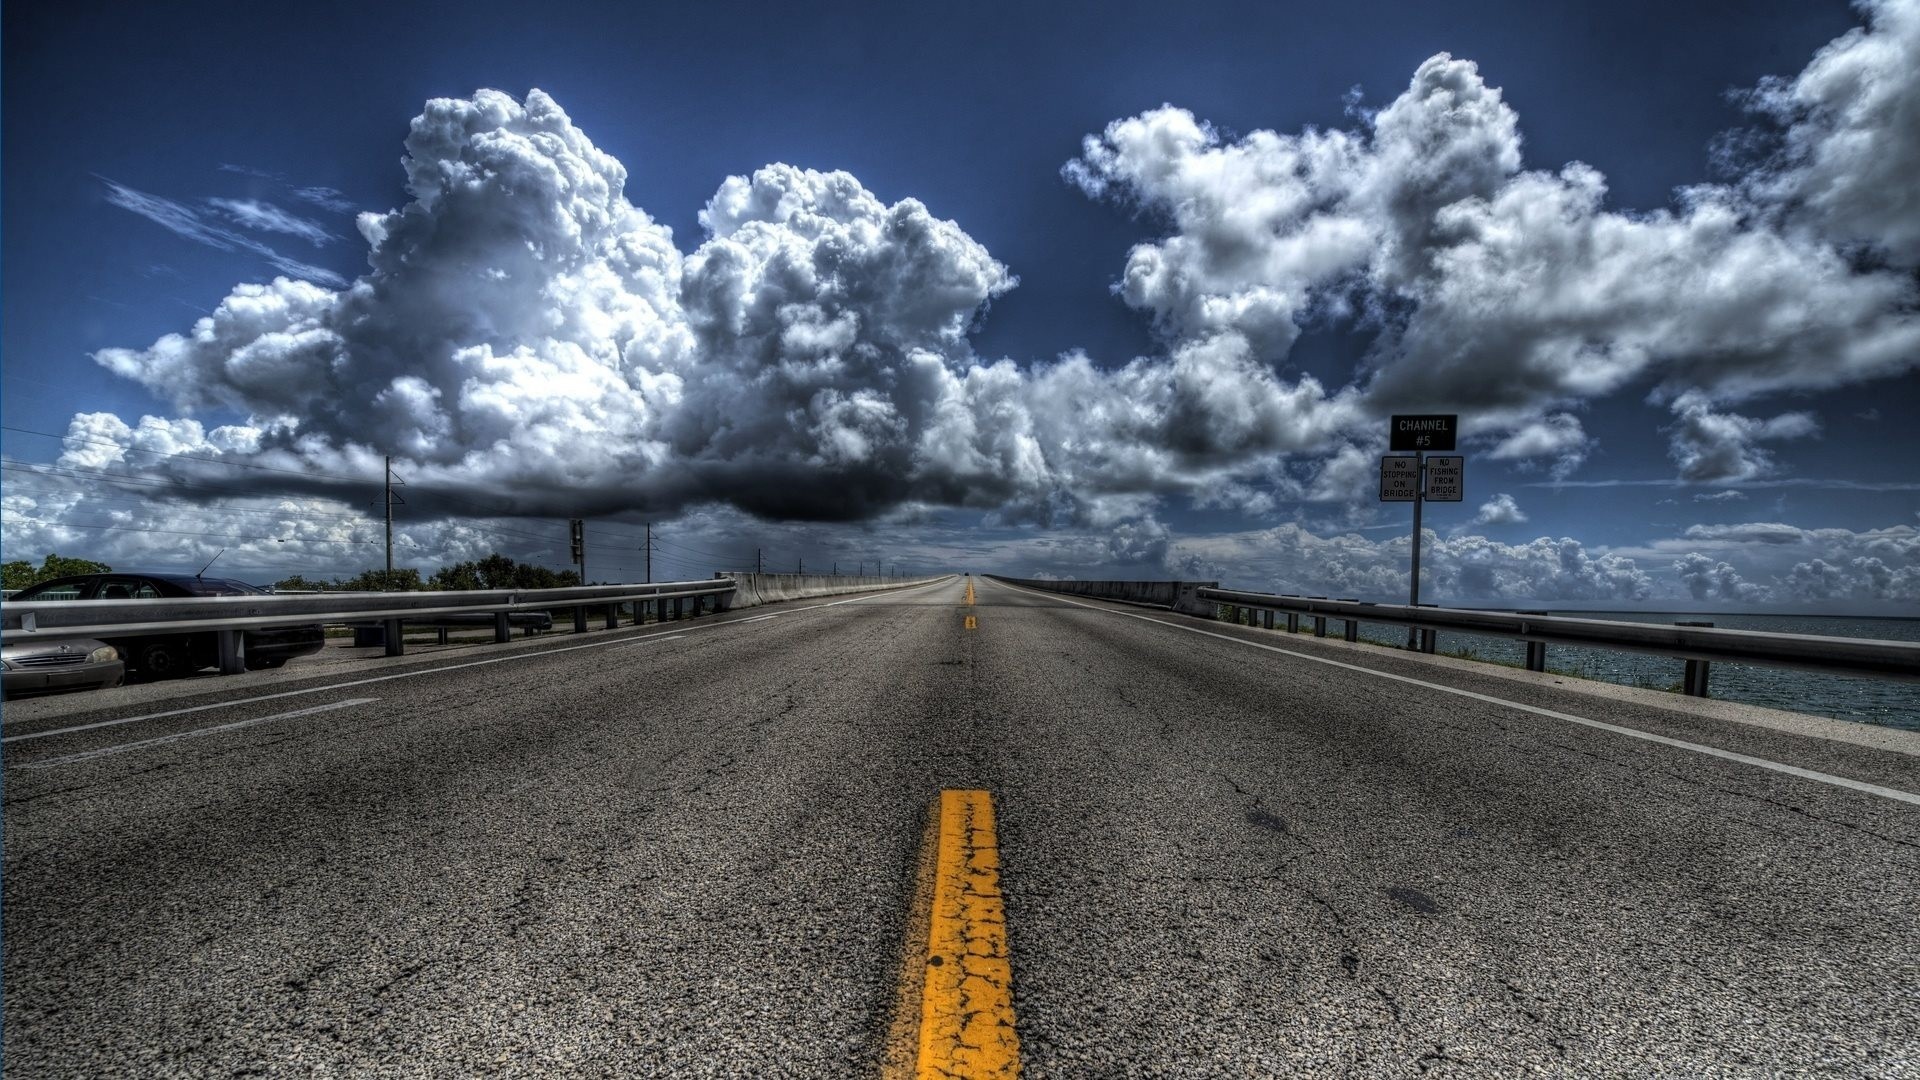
[229,616]
[1698,643]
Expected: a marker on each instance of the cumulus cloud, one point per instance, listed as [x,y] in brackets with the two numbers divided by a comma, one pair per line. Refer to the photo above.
[1499,510]
[1711,447]
[1706,579]
[1857,578]
[525,331]
[1502,293]
[1557,436]
[1849,147]
[1456,569]
[1729,495]
[525,328]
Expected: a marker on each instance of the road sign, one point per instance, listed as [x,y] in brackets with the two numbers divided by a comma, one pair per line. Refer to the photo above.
[1399,479]
[1446,478]
[1428,432]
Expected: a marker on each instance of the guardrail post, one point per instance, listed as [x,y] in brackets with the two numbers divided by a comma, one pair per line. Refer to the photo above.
[396,639]
[1694,681]
[1353,630]
[502,628]
[580,619]
[679,608]
[1266,617]
[1536,650]
[1293,622]
[1426,638]
[441,638]
[233,655]
[1319,626]
[613,616]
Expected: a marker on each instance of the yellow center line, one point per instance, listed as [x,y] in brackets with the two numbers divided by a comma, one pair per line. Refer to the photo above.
[966,1003]
[971,625]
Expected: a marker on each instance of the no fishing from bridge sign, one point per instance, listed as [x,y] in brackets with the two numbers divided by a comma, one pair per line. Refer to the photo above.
[1427,432]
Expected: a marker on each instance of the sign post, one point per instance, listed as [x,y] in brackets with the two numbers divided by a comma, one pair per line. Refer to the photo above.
[1416,481]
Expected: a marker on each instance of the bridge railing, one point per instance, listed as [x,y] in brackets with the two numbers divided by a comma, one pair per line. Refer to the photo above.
[229,616]
[1699,644]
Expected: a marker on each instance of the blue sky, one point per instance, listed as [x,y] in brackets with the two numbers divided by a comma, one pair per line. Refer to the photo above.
[951,330]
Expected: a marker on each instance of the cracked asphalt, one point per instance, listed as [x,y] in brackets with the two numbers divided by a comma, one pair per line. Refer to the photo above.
[697,856]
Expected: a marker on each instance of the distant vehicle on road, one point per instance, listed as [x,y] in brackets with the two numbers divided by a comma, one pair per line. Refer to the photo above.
[40,667]
[165,656]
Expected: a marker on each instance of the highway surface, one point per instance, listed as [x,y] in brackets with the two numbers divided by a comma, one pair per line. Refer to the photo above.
[699,849]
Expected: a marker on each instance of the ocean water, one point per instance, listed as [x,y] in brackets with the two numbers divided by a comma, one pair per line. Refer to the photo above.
[1888,702]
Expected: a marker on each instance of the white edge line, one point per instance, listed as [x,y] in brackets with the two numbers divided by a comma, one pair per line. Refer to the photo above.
[678,631]
[1712,751]
[109,751]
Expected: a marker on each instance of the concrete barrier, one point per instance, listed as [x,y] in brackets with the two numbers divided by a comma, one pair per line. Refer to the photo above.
[1181,596]
[752,590]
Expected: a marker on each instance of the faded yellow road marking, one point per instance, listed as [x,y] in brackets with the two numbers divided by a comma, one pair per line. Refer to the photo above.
[966,1004]
[971,624]
[969,594]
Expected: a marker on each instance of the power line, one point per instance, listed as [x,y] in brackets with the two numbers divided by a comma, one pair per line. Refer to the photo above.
[692,550]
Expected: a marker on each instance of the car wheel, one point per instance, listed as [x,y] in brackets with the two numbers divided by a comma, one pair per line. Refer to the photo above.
[163,660]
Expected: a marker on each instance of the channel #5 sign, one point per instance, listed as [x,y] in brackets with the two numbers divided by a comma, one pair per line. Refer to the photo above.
[1427,432]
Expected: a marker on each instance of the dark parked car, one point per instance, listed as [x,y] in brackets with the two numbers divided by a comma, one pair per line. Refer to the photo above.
[163,656]
[39,667]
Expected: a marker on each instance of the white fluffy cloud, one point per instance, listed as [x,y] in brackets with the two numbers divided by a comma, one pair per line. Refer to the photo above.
[524,329]
[1453,569]
[1706,579]
[1712,447]
[1850,148]
[1557,436]
[526,334]
[1508,293]
[1772,561]
[1499,510]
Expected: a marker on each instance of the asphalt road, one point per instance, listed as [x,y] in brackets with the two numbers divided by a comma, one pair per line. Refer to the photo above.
[691,850]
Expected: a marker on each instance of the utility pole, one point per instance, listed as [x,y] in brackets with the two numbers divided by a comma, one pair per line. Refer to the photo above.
[758,566]
[577,527]
[649,553]
[390,497]
[800,567]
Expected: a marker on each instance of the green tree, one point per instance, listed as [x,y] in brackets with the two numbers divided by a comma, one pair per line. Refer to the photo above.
[296,583]
[384,581]
[459,577]
[20,573]
[496,571]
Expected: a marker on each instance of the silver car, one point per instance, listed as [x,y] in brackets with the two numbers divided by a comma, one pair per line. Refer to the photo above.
[38,667]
